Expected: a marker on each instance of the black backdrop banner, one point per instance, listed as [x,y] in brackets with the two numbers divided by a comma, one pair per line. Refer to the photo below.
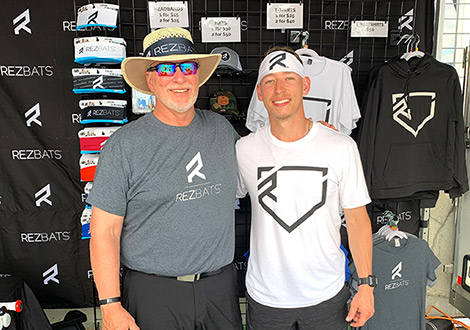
[40,191]
[41,196]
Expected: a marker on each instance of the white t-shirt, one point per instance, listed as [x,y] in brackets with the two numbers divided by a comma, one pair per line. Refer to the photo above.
[331,97]
[297,189]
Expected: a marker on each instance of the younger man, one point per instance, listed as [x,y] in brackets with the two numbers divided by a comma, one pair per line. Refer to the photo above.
[299,175]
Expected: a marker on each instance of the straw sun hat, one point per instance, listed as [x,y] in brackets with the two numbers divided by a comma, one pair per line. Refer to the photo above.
[166,45]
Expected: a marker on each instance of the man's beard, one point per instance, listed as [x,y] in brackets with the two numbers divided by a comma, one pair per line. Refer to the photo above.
[170,104]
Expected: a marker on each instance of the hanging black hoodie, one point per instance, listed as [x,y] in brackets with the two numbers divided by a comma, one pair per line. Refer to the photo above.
[412,135]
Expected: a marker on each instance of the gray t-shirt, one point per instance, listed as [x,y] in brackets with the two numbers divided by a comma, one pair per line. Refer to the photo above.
[175,187]
[403,268]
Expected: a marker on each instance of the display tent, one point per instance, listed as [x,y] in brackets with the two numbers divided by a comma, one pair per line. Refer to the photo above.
[41,195]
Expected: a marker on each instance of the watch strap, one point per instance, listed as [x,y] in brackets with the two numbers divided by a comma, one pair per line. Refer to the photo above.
[370,280]
[109,301]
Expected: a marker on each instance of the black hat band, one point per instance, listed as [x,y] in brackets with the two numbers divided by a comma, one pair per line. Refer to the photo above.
[170,46]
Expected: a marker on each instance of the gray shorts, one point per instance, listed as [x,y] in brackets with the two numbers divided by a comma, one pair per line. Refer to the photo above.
[163,303]
[328,315]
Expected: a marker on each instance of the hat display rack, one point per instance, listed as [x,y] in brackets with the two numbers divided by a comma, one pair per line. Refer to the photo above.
[223,100]
[100,84]
[99,50]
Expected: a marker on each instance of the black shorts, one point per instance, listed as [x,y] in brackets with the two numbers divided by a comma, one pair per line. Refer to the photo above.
[327,315]
[156,303]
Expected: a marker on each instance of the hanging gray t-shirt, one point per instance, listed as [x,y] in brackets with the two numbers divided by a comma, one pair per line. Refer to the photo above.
[403,268]
[175,187]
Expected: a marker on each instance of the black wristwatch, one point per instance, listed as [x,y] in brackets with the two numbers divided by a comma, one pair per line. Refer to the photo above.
[108,301]
[370,280]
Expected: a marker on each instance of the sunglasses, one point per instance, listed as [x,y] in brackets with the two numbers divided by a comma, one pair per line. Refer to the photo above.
[169,69]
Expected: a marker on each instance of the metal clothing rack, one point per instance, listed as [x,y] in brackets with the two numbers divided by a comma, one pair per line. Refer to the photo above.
[459,294]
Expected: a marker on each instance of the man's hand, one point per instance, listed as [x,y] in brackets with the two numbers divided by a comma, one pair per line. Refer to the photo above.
[362,306]
[115,317]
[324,123]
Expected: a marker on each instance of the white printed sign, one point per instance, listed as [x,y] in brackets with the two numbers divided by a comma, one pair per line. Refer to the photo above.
[168,14]
[377,29]
[284,15]
[220,29]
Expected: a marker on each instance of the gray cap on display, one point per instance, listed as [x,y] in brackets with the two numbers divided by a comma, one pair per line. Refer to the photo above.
[229,60]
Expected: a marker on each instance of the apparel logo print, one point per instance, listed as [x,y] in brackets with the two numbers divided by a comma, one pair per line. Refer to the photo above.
[34,114]
[92,18]
[225,56]
[320,100]
[195,172]
[271,183]
[277,60]
[97,83]
[22,26]
[51,274]
[402,113]
[396,272]
[397,280]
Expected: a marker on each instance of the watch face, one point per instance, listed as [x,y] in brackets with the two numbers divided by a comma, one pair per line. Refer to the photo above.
[372,281]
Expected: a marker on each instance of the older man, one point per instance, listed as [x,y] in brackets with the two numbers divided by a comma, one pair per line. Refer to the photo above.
[163,201]
[299,175]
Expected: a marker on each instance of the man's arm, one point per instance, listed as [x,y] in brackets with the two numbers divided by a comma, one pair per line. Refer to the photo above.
[360,243]
[105,262]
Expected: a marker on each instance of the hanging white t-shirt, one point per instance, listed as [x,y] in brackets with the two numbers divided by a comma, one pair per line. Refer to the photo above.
[331,97]
[297,189]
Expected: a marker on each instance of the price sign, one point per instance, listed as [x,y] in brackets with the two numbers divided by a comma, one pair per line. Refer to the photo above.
[168,14]
[220,29]
[369,29]
[284,15]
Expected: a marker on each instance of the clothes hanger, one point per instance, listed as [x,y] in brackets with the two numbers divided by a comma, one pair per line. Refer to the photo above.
[390,230]
[412,51]
[304,50]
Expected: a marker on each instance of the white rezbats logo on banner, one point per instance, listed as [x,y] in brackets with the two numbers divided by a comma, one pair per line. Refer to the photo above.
[336,25]
[51,274]
[23,25]
[406,20]
[195,172]
[402,113]
[33,115]
[42,196]
[45,237]
[348,59]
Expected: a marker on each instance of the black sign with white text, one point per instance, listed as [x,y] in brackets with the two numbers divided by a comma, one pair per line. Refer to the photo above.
[40,191]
